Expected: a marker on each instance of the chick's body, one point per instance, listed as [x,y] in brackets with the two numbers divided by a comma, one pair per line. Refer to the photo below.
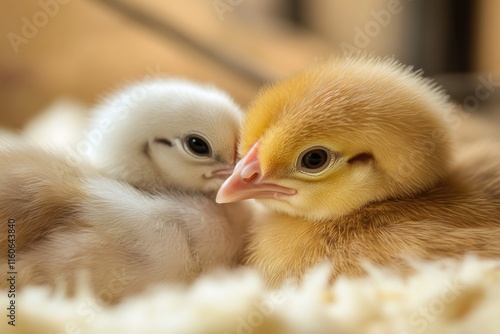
[121,229]
[440,223]
[71,220]
[353,161]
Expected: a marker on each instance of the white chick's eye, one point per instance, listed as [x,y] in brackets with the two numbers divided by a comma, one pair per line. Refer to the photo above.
[197,146]
[314,160]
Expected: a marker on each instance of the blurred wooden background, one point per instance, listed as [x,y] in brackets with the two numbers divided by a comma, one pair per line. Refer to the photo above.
[84,48]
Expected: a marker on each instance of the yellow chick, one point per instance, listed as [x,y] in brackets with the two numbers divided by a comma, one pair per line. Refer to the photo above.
[352,160]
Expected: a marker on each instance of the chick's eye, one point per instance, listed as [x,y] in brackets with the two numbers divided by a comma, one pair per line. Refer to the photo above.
[314,160]
[198,146]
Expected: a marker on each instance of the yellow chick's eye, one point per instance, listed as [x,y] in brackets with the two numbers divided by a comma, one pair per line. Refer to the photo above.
[314,159]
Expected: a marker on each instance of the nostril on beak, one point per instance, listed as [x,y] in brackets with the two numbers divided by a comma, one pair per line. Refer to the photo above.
[251,178]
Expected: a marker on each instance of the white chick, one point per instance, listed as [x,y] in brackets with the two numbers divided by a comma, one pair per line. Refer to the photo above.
[178,142]
[166,133]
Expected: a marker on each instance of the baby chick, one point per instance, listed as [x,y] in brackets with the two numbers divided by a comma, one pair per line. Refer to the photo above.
[166,133]
[72,219]
[353,161]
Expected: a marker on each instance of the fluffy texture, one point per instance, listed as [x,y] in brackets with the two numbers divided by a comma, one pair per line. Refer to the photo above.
[59,126]
[71,221]
[439,298]
[147,214]
[353,161]
[140,135]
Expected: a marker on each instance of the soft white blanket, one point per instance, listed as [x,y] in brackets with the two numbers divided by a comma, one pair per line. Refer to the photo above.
[451,297]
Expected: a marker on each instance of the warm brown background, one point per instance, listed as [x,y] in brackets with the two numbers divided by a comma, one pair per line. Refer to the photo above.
[87,48]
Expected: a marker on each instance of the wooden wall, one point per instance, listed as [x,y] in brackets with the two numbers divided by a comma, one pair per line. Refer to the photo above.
[83,48]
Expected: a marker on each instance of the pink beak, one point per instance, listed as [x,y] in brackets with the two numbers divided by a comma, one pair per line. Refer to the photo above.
[245,182]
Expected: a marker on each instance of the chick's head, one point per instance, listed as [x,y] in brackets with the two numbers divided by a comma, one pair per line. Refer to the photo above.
[166,133]
[340,135]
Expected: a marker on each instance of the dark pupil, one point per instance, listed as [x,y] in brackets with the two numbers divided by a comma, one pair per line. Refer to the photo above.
[314,159]
[198,146]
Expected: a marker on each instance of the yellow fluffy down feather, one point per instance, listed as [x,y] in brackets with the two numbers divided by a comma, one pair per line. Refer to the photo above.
[451,297]
[353,160]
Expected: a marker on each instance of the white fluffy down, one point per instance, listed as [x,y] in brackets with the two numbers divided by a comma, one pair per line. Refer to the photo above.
[450,297]
[126,126]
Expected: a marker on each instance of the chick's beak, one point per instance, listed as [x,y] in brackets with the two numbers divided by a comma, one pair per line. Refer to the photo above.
[223,173]
[245,182]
